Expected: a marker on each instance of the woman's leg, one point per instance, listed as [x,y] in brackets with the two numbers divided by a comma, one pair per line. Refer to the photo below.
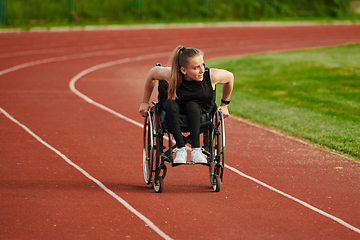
[193,111]
[172,110]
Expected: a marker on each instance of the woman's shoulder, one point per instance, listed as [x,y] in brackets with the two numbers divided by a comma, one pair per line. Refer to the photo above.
[219,75]
[160,73]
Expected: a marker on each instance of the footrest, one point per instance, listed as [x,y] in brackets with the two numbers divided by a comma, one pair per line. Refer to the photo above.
[190,163]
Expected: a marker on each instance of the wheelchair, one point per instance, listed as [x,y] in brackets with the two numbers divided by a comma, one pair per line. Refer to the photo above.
[156,153]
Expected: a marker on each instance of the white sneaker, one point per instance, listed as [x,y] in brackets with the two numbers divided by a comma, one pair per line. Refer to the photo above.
[197,156]
[181,155]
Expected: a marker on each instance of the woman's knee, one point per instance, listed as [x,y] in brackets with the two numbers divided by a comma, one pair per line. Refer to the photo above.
[192,108]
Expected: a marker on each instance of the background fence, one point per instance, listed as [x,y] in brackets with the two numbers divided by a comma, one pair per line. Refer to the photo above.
[24,12]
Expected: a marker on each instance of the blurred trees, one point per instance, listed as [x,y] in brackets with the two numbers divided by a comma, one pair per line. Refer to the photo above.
[122,11]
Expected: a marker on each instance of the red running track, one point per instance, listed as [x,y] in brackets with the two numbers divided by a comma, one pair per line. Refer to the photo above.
[71,170]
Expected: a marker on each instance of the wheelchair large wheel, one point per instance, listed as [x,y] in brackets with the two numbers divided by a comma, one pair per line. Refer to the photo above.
[148,148]
[221,146]
[217,152]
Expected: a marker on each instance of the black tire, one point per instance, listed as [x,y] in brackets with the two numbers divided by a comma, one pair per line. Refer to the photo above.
[148,148]
[212,156]
[220,146]
[217,152]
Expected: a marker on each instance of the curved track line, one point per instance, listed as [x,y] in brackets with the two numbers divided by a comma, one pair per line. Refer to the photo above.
[139,58]
[104,65]
[63,58]
[100,184]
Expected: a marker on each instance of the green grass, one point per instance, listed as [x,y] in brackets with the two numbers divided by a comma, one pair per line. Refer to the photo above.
[314,94]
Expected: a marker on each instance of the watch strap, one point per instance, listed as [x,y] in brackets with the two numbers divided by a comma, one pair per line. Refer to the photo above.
[225,101]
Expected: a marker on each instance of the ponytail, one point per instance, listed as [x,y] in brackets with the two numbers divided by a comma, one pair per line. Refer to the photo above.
[178,59]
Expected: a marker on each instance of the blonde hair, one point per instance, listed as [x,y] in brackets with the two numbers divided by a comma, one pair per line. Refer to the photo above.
[178,59]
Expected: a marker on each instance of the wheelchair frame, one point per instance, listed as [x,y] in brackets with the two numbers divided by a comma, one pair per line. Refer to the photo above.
[156,154]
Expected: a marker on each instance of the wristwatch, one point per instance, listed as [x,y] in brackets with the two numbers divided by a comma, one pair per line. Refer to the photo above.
[225,102]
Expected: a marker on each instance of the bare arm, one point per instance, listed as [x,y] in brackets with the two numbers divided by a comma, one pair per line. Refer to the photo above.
[221,76]
[156,73]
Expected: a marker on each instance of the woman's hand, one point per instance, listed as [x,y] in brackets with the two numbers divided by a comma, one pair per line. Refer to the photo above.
[144,108]
[224,110]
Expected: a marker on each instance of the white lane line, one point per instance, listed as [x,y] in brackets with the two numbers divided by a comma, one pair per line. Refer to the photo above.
[127,60]
[104,65]
[295,199]
[111,193]
[69,57]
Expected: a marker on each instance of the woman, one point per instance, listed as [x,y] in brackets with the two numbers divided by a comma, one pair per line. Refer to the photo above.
[191,92]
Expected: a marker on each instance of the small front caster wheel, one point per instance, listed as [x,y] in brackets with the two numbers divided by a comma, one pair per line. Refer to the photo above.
[216,183]
[159,184]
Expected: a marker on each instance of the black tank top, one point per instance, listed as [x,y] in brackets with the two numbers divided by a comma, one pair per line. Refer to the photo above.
[200,92]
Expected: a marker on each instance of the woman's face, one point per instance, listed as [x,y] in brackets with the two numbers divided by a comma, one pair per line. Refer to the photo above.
[195,69]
